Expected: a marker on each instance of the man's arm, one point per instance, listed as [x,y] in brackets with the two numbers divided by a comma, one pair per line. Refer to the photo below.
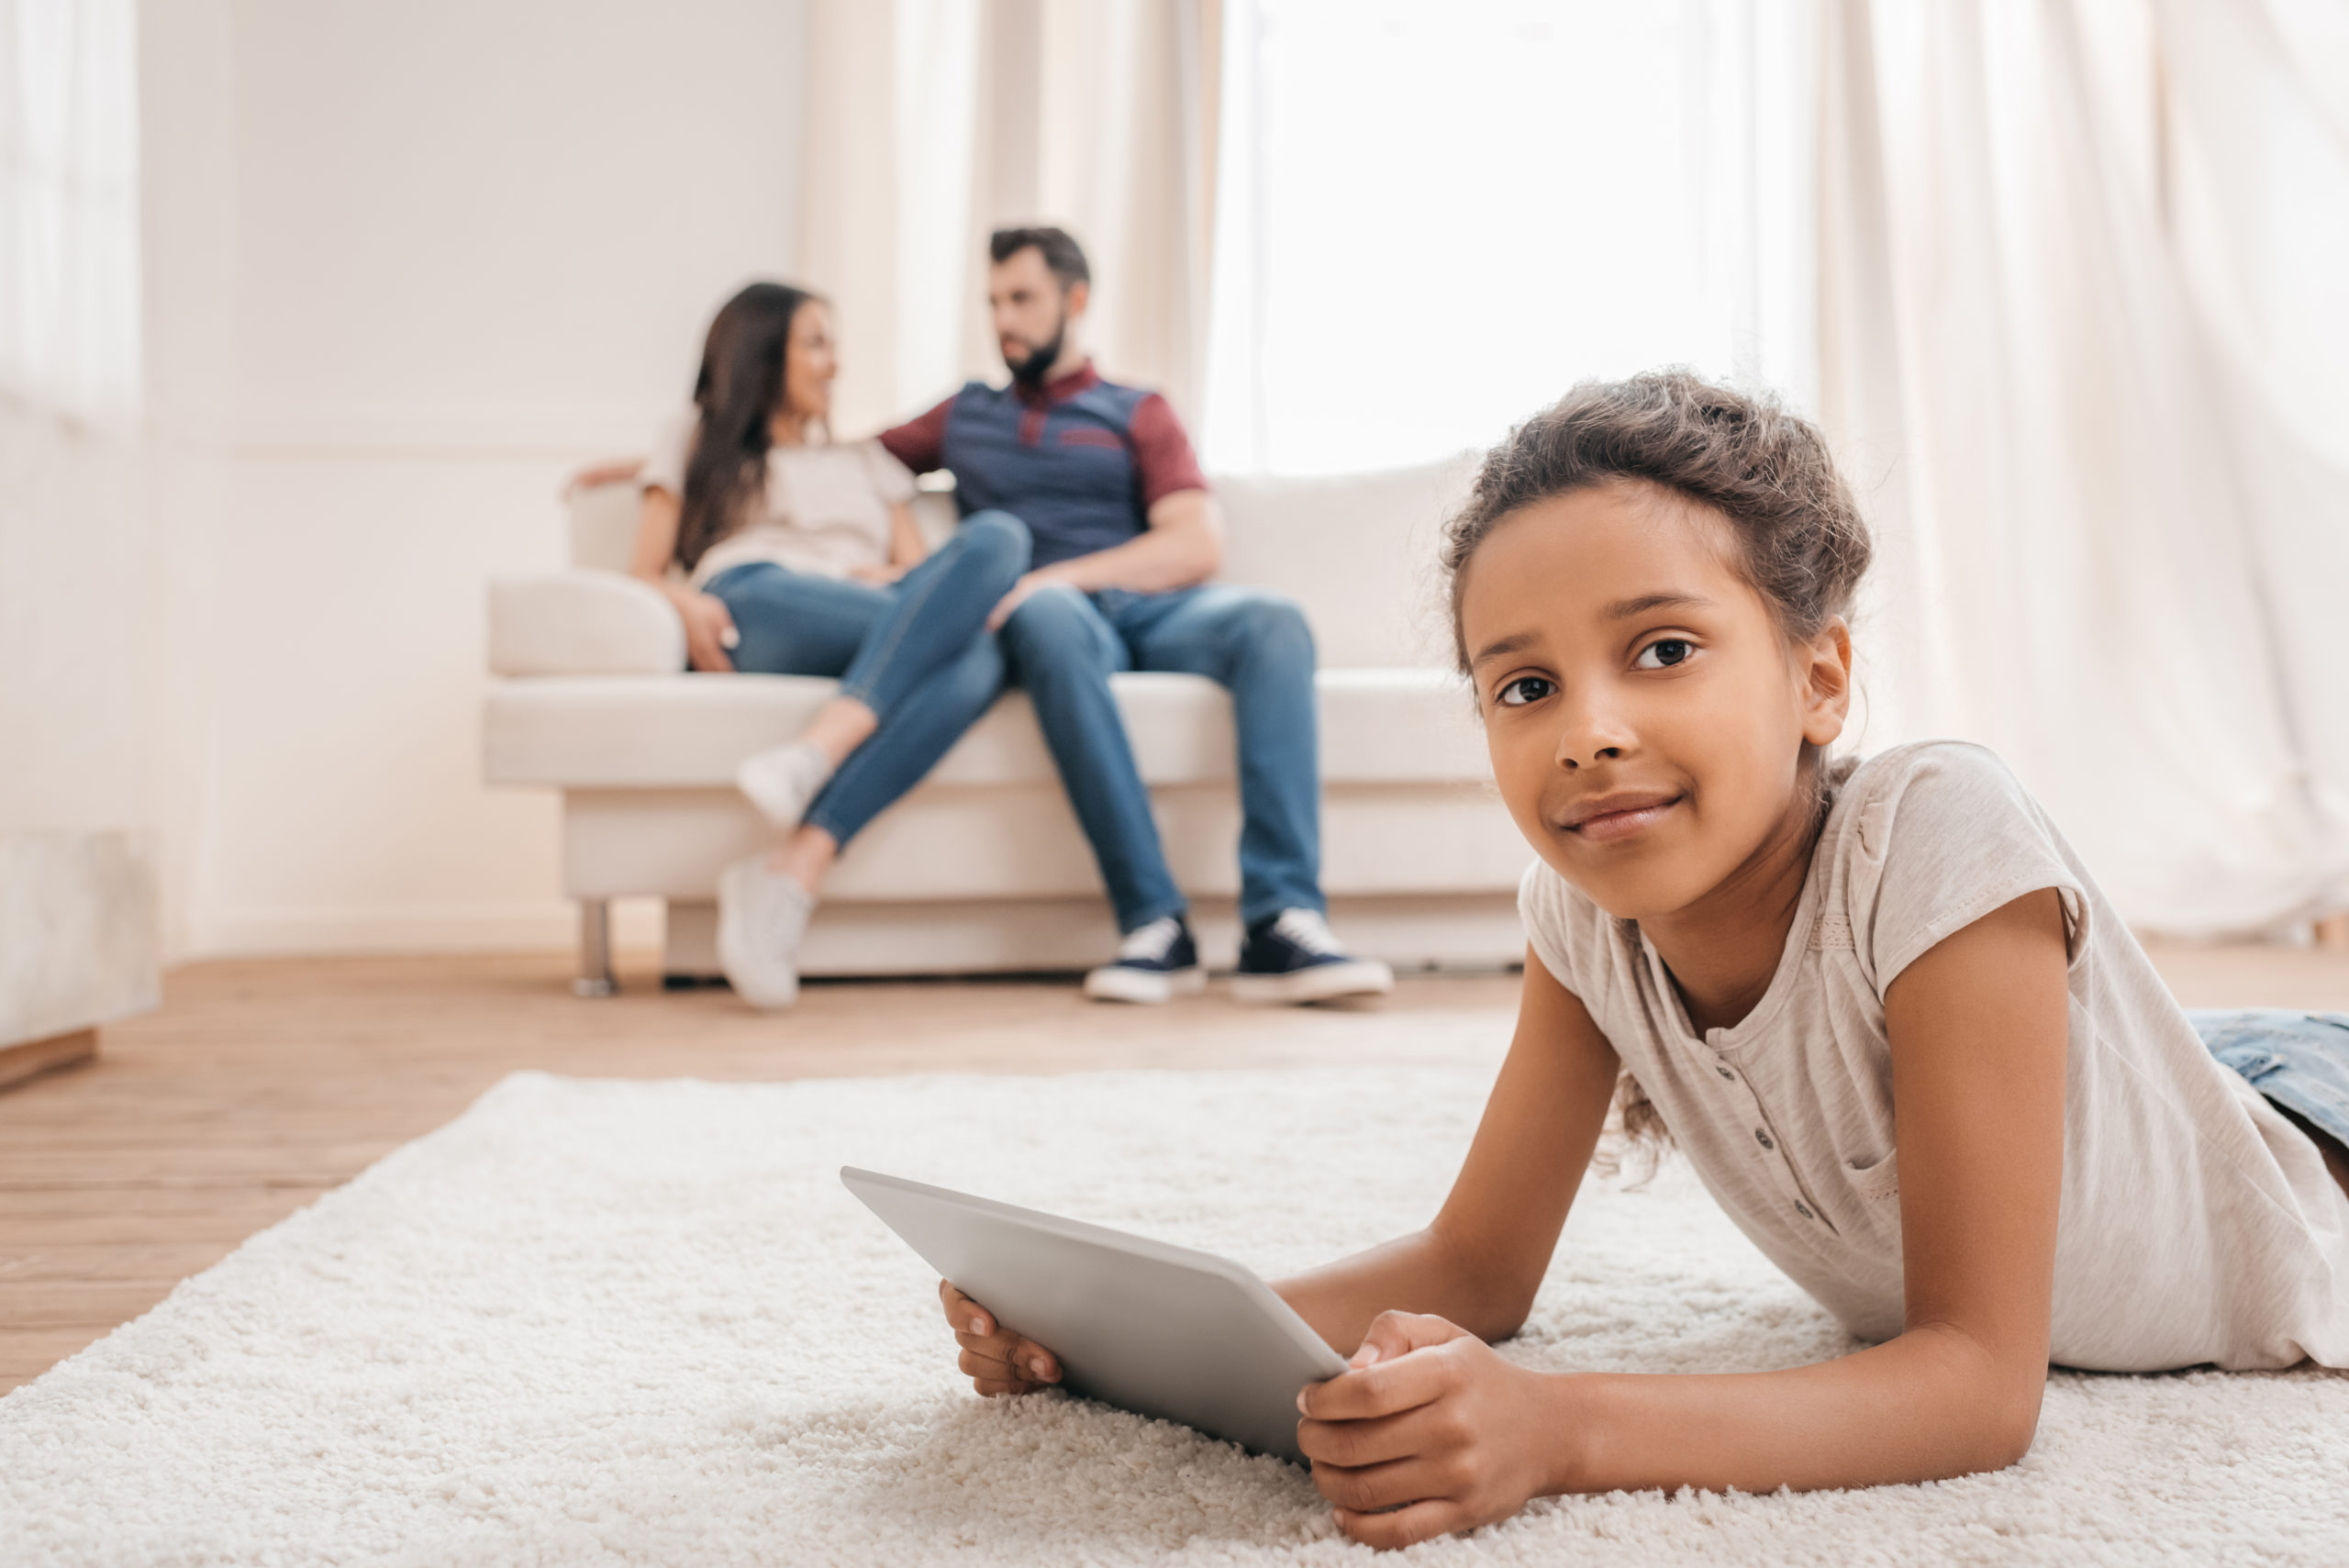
[1182,547]
[921,442]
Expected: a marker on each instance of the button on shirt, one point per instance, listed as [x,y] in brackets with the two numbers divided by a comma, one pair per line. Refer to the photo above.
[2197,1224]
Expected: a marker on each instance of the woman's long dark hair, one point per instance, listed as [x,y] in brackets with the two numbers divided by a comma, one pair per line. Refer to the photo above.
[738,390]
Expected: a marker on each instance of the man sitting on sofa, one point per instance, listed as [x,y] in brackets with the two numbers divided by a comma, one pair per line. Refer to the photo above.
[1125,535]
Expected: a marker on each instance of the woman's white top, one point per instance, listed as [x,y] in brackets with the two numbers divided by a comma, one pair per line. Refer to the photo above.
[2197,1224]
[824,509]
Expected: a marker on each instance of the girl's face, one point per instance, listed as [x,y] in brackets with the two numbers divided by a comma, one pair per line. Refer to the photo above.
[1646,713]
[810,362]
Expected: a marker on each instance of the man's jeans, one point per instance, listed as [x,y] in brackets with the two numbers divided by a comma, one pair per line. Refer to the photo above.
[1064,645]
[915,651]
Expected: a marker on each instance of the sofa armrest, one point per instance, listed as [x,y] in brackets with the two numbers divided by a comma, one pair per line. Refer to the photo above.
[582,622]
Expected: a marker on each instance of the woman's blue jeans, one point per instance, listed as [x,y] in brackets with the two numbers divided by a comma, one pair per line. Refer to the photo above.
[915,651]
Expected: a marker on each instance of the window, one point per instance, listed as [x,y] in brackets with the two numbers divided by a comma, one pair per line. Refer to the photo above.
[1432,220]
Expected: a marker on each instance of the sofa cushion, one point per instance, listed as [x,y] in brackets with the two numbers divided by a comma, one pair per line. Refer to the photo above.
[1357,552]
[671,731]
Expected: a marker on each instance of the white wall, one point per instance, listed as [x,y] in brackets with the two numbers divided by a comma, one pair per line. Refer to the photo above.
[408,264]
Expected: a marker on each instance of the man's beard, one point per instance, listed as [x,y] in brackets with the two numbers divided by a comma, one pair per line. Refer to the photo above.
[1041,358]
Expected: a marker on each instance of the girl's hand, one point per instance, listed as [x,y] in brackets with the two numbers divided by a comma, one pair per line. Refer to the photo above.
[998,1361]
[878,575]
[1432,1425]
[710,630]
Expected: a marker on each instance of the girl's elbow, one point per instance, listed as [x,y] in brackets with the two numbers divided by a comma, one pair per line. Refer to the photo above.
[1504,1314]
[1991,1398]
[2003,1434]
[2016,1429]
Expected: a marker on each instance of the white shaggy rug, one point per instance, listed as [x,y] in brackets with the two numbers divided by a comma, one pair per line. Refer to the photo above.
[597,1322]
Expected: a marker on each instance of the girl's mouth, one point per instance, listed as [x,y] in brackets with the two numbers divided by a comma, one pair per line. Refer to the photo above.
[1612,818]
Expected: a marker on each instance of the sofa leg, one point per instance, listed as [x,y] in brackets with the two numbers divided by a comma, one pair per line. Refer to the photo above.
[595,950]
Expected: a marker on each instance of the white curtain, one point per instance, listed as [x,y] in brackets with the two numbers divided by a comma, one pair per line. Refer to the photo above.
[884,189]
[1436,218]
[69,217]
[2062,277]
[77,580]
[2074,353]
[931,122]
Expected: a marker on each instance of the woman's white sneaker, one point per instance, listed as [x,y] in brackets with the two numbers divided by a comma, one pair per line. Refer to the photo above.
[761,915]
[1156,962]
[783,781]
[1293,957]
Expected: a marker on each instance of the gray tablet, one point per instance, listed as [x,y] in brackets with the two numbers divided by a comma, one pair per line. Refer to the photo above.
[1147,1327]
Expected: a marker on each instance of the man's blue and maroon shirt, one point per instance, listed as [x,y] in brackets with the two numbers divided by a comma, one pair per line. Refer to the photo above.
[1081,461]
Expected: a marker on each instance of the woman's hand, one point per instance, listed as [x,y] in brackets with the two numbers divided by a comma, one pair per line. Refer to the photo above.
[595,474]
[879,574]
[710,630]
[998,1361]
[1433,1425]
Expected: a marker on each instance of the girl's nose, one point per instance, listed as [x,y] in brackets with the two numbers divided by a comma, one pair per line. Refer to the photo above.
[1590,733]
[1572,763]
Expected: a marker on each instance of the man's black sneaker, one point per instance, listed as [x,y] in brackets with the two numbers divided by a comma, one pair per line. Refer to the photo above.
[1293,958]
[1155,963]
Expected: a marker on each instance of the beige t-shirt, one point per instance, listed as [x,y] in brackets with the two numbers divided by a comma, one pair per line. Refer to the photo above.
[824,510]
[2197,1224]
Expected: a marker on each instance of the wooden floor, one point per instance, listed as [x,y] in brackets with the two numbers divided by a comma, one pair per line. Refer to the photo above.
[259,1084]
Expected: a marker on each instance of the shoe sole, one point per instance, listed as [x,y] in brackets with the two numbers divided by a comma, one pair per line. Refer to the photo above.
[1114,984]
[1322,982]
[730,947]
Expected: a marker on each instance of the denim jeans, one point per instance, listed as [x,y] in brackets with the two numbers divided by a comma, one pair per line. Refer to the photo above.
[1063,646]
[2301,1060]
[915,651]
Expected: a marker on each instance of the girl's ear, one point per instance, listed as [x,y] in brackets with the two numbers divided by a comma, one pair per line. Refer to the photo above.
[1824,666]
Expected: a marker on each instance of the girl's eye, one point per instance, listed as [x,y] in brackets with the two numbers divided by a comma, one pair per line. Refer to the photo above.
[1664,653]
[1524,689]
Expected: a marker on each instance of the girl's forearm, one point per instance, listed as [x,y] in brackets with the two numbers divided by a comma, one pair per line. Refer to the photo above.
[1418,1273]
[1932,1404]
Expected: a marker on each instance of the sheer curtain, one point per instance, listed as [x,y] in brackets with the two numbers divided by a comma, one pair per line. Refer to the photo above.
[2060,276]
[77,577]
[69,217]
[1435,218]
[2073,349]
[930,122]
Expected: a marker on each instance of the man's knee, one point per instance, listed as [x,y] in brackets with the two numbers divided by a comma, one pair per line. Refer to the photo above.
[1054,628]
[1270,626]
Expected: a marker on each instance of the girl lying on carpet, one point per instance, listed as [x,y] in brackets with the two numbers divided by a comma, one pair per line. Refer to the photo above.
[1881,1006]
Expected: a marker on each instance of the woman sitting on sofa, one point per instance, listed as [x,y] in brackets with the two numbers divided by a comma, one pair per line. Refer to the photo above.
[787,553]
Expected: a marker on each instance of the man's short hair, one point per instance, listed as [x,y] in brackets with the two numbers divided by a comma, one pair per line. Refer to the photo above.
[1064,256]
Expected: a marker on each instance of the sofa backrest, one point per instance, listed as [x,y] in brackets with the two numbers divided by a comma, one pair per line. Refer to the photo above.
[1357,551]
[603,525]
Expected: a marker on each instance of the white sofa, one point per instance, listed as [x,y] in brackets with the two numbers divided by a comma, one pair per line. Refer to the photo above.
[983,867]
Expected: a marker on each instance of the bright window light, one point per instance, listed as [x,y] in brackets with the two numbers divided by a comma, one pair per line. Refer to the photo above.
[1433,219]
